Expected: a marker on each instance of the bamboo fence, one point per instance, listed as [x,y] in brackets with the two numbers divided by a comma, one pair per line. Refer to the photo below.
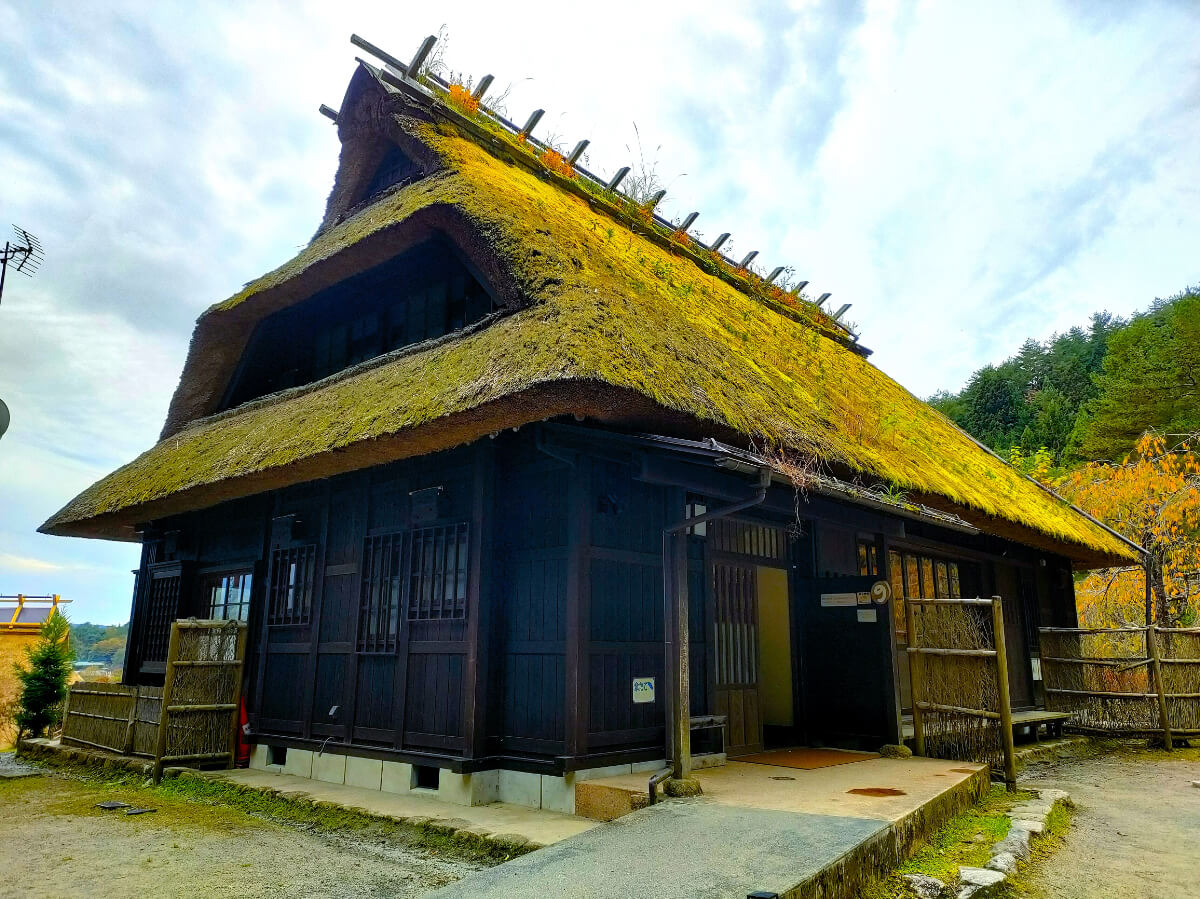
[959,672]
[191,719]
[1124,681]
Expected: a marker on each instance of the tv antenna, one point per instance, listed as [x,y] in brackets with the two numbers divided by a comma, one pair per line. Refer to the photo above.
[24,256]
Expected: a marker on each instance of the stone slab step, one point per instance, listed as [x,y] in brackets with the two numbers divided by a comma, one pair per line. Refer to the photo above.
[606,802]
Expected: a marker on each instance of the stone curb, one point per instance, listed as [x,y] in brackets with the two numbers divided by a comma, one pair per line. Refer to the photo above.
[1028,820]
[469,836]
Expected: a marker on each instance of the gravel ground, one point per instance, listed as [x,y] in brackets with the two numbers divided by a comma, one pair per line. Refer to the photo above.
[1135,831]
[53,834]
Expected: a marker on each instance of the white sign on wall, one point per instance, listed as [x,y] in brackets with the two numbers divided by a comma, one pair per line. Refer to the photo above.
[643,689]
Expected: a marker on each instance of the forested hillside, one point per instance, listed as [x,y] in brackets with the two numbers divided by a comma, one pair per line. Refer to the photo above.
[1090,393]
[1109,416]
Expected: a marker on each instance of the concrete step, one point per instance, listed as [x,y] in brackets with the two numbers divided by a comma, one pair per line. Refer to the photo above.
[605,802]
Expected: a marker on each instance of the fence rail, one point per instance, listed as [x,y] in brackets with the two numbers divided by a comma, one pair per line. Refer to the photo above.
[191,718]
[1127,681]
[959,674]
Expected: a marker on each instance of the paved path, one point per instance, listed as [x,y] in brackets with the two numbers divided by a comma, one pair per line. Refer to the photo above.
[696,848]
[1136,831]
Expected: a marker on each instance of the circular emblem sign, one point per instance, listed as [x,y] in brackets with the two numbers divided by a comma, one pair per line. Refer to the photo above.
[881,592]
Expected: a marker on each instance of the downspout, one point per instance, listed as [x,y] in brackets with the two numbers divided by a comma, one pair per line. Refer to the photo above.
[678,694]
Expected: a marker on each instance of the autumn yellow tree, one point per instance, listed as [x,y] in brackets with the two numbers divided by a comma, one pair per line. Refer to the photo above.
[1153,498]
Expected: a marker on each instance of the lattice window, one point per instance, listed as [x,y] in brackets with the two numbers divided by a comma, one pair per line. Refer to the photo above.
[289,596]
[162,605]
[734,593]
[395,168]
[749,539]
[382,592]
[437,572]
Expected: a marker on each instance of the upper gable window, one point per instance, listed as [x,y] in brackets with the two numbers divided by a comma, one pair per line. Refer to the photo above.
[396,168]
[424,293]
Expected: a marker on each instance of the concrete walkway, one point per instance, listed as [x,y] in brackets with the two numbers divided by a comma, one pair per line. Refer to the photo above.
[758,827]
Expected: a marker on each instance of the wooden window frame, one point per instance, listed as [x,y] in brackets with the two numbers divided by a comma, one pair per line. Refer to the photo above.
[290,600]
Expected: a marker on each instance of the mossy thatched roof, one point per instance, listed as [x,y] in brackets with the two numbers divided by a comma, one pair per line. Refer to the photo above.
[614,326]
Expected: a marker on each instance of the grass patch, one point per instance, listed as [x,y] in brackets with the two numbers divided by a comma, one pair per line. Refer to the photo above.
[216,803]
[964,840]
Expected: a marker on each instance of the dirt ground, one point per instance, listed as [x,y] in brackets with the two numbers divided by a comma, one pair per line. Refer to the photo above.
[54,841]
[1136,830]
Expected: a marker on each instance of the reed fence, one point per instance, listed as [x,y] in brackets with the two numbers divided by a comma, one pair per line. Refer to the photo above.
[959,673]
[1137,681]
[191,719]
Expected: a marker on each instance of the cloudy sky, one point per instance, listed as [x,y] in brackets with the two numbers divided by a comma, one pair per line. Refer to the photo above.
[967,175]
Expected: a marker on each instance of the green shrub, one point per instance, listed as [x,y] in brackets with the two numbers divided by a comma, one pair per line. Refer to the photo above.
[44,681]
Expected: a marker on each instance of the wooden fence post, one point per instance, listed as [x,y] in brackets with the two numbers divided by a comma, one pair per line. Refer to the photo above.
[160,745]
[916,679]
[127,747]
[239,654]
[1164,715]
[1006,725]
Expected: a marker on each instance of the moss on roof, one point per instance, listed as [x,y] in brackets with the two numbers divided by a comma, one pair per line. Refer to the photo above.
[609,308]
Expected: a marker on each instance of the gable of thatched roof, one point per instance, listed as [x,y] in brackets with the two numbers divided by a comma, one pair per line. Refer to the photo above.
[601,319]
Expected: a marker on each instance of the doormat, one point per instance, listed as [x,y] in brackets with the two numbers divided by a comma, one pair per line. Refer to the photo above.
[807,759]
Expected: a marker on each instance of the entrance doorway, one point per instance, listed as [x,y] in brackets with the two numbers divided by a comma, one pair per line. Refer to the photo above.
[752,671]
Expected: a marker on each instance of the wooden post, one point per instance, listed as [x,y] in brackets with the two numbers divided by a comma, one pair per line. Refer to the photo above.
[1006,725]
[160,744]
[916,680]
[238,672]
[127,747]
[1164,716]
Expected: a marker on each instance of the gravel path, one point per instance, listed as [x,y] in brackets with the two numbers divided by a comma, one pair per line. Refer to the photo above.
[1135,831]
[54,834]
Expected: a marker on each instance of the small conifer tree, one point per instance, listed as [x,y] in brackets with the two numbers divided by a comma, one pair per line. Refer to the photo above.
[44,678]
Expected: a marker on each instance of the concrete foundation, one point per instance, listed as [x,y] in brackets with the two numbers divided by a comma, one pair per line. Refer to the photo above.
[535,791]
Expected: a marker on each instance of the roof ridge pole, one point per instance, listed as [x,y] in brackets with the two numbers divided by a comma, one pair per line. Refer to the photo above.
[719,242]
[687,222]
[775,273]
[655,200]
[823,297]
[379,54]
[418,60]
[799,287]
[837,315]
[749,258]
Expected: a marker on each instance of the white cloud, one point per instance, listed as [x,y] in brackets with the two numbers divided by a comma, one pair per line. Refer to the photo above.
[967,175]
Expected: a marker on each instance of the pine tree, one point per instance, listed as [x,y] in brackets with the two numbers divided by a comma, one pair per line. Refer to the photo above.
[44,681]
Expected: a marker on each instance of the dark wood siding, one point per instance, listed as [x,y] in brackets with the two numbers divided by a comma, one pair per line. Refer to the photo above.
[530,589]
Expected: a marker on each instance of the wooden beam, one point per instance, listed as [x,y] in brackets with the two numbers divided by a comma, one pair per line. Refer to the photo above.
[618,177]
[531,122]
[482,88]
[413,71]
[329,112]
[573,156]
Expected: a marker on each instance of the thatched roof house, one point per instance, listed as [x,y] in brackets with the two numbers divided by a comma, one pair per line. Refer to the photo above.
[559,300]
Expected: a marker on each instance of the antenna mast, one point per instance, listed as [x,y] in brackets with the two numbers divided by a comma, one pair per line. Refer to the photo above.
[24,255]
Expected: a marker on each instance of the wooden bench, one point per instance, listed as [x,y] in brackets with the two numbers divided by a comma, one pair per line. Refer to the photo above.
[1031,722]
